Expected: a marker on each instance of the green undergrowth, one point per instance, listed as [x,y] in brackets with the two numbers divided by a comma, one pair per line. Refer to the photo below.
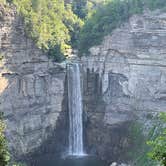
[139,152]
[5,157]
[157,142]
[4,154]
[149,148]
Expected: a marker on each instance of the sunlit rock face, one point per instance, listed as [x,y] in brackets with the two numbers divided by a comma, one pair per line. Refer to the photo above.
[125,82]
[31,92]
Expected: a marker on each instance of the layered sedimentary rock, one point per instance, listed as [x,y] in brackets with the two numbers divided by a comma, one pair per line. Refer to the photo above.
[31,90]
[125,81]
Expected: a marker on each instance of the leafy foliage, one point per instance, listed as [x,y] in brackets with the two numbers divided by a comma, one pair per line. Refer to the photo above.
[138,151]
[4,155]
[109,16]
[49,23]
[80,8]
[55,26]
[84,8]
[18,164]
[1,56]
[158,145]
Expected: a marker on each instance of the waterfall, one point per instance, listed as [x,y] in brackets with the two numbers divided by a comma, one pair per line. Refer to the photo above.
[75,110]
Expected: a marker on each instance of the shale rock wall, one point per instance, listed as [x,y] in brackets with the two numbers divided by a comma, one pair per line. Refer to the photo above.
[125,84]
[31,90]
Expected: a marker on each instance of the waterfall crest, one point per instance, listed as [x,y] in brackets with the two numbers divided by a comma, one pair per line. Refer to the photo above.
[75,110]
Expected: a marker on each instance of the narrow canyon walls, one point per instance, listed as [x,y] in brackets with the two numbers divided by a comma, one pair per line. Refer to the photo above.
[125,82]
[31,90]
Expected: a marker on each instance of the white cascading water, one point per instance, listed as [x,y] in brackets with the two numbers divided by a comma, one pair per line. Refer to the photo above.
[75,110]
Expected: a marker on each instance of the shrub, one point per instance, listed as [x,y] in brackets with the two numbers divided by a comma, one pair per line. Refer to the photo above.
[4,154]
[158,145]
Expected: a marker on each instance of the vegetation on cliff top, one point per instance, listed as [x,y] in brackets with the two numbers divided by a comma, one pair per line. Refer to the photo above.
[56,26]
[158,144]
[84,8]
[109,16]
[51,24]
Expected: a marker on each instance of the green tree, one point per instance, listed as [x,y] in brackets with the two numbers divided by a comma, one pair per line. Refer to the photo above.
[4,155]
[49,23]
[80,8]
[109,16]
[158,145]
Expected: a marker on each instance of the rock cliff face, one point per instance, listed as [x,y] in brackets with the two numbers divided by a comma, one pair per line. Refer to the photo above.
[125,82]
[31,91]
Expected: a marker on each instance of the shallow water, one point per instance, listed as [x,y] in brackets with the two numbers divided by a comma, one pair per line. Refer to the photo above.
[71,161]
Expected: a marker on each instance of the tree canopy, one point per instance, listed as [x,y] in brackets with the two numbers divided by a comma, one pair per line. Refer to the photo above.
[56,25]
[51,24]
[109,16]
[158,145]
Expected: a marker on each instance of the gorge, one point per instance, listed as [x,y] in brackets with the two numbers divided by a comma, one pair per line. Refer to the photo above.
[123,87]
